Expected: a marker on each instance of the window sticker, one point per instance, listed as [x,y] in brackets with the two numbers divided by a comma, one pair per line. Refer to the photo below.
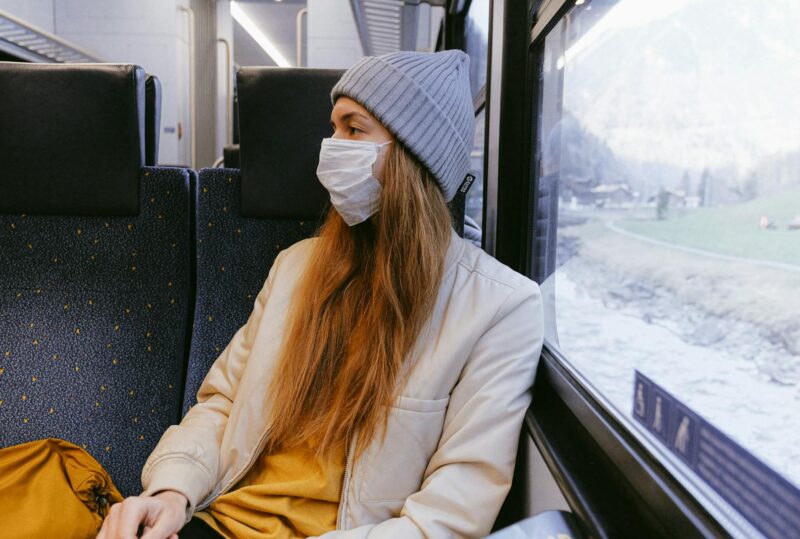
[768,501]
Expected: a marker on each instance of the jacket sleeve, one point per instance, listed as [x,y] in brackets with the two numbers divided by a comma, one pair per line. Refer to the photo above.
[186,458]
[470,473]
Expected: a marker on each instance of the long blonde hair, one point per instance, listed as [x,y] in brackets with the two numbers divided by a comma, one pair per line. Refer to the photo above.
[358,308]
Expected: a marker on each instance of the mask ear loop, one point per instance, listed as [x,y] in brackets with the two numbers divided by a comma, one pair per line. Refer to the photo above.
[378,150]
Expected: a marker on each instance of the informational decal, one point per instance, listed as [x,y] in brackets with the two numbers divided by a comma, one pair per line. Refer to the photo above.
[768,501]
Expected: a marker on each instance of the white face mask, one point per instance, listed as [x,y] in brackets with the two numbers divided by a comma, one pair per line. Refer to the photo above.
[345,169]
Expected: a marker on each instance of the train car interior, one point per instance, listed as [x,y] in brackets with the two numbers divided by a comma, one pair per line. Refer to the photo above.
[640,161]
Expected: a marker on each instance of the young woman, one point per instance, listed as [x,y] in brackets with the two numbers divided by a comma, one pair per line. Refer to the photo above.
[379,385]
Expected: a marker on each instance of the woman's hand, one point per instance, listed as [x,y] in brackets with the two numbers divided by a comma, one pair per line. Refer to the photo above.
[161,515]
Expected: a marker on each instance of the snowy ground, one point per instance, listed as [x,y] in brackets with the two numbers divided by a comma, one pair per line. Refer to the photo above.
[741,378]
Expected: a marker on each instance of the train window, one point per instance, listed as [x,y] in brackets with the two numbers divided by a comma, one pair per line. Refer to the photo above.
[476,38]
[668,161]
[474,205]
[476,45]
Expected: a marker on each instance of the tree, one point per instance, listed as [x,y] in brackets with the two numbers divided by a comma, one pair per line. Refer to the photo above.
[662,204]
[686,183]
[704,188]
[750,187]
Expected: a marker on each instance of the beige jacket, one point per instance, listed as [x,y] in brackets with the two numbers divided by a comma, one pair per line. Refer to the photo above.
[451,440]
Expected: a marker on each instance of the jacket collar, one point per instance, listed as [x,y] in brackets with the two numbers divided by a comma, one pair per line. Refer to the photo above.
[454,251]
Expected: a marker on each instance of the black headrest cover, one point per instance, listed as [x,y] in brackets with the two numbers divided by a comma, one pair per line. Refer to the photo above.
[230,156]
[71,138]
[284,113]
[152,119]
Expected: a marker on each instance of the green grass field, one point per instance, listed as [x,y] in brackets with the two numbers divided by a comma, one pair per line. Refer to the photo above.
[732,230]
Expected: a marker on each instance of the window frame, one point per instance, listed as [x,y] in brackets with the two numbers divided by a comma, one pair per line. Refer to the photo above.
[479,106]
[452,35]
[617,483]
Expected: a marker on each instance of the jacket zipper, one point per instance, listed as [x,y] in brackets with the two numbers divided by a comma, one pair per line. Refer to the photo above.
[345,480]
[253,457]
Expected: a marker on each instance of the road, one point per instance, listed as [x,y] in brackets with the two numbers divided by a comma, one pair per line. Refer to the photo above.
[755,261]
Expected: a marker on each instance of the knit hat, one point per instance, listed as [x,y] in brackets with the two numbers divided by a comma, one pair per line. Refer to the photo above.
[423,99]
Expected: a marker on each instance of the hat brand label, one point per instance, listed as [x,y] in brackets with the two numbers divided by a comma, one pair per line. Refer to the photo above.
[467,183]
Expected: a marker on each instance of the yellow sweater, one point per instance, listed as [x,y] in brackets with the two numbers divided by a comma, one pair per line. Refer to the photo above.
[284,495]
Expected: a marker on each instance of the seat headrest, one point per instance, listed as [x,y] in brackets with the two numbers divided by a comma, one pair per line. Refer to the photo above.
[152,119]
[284,113]
[71,138]
[230,156]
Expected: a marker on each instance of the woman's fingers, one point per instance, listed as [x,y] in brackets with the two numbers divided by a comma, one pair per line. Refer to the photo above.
[109,523]
[102,534]
[133,512]
[159,518]
[162,529]
[167,521]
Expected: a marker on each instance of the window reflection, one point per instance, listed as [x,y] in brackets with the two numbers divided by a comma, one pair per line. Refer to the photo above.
[474,204]
[669,223]
[476,36]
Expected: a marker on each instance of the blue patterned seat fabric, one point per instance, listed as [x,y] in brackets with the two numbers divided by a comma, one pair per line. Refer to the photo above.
[234,255]
[93,319]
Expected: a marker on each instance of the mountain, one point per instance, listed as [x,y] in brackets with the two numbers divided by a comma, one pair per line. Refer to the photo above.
[700,84]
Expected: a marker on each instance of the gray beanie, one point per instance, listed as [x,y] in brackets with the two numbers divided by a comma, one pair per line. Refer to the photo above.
[423,99]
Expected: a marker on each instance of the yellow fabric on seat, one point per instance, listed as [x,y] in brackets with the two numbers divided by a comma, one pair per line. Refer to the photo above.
[53,488]
[287,494]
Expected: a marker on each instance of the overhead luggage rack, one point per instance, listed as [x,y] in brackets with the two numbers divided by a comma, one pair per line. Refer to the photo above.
[28,42]
[386,26]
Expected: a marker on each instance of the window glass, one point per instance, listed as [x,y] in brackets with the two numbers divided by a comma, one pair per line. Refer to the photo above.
[474,203]
[668,230]
[476,37]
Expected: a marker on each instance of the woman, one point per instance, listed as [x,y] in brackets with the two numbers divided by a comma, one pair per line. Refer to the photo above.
[379,385]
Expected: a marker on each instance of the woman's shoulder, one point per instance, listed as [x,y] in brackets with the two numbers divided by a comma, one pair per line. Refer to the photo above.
[481,266]
[295,253]
[502,302]
[288,263]
[300,248]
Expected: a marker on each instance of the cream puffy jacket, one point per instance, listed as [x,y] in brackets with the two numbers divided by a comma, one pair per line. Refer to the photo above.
[447,459]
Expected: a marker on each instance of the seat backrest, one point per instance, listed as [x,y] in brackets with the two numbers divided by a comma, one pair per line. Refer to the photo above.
[92,161]
[92,297]
[283,116]
[246,217]
[230,156]
[234,255]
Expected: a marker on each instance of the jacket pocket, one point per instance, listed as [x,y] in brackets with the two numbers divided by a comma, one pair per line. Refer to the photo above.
[393,470]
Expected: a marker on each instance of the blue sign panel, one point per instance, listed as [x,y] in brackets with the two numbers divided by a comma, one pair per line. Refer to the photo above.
[767,500]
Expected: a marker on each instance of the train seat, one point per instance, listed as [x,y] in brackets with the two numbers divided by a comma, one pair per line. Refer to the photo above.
[152,119]
[95,266]
[246,216]
[230,156]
